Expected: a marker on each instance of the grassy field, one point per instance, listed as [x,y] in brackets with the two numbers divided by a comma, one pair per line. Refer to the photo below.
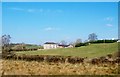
[20,67]
[90,51]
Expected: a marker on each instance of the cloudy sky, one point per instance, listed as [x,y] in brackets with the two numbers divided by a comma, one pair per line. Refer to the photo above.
[38,22]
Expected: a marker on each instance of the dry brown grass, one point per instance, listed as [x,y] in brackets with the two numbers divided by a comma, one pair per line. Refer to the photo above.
[11,67]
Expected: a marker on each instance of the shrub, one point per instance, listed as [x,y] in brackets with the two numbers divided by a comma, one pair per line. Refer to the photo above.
[103,41]
[81,44]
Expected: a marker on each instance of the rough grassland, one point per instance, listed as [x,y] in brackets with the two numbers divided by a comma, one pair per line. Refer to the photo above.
[90,51]
[11,67]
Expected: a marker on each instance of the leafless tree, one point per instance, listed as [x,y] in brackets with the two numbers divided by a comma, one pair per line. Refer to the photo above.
[6,42]
[63,42]
[92,37]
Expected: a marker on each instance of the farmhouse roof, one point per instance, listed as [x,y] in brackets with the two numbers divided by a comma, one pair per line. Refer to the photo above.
[63,45]
[50,43]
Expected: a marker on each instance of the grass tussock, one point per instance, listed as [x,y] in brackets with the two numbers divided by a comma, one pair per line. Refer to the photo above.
[11,67]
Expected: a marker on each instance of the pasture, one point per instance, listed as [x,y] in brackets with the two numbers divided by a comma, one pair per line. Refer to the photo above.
[90,51]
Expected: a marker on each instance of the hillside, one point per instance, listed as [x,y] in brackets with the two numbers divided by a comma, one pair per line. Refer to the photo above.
[92,50]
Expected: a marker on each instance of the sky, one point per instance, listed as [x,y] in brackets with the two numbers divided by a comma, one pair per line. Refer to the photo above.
[59,0]
[0,18]
[39,22]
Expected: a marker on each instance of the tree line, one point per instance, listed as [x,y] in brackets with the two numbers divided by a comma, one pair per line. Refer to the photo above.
[92,39]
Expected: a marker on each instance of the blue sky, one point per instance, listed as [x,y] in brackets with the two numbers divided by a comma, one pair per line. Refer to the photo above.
[60,0]
[32,22]
[0,18]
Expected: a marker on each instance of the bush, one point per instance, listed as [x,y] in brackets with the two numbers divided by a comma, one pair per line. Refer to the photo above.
[103,41]
[41,47]
[81,44]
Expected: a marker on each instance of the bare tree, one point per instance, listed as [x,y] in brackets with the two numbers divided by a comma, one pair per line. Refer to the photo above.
[92,37]
[5,40]
[72,43]
[63,42]
[78,41]
[6,43]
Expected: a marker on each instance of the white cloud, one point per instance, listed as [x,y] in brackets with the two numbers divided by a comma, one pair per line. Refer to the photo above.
[35,10]
[17,9]
[109,25]
[59,11]
[30,10]
[27,10]
[108,19]
[48,29]
[51,29]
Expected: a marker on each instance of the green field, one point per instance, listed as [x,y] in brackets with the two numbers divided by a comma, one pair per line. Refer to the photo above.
[92,50]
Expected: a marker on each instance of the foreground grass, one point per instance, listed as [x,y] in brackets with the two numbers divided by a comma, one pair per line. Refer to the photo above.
[11,67]
[90,51]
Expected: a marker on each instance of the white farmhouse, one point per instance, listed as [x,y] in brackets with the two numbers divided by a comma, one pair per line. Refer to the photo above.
[118,41]
[50,45]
